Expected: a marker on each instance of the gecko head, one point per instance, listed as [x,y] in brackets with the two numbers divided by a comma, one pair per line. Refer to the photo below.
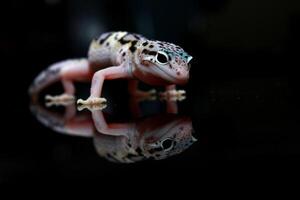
[166,61]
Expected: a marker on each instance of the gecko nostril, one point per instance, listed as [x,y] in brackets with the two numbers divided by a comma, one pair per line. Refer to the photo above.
[178,73]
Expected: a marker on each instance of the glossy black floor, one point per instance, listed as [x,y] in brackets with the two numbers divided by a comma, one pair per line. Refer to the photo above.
[237,97]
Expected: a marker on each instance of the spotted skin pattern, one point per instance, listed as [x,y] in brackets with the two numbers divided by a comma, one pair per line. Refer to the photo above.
[115,55]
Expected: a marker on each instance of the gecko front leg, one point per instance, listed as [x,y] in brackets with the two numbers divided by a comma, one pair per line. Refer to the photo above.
[114,72]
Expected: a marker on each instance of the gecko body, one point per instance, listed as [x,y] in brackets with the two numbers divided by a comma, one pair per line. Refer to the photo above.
[116,55]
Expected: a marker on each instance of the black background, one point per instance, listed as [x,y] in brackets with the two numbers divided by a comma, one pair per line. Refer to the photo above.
[238,94]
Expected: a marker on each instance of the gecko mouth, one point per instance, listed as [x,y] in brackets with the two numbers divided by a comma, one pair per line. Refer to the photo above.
[169,76]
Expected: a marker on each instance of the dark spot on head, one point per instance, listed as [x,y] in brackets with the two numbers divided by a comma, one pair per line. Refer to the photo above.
[145,43]
[153,53]
[105,38]
[178,73]
[107,44]
[101,41]
[132,47]
[151,46]
[123,54]
[136,36]
[145,51]
[122,41]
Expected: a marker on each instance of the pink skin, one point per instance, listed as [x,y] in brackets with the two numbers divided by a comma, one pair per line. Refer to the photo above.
[114,129]
[84,72]
[83,124]
[120,55]
[110,73]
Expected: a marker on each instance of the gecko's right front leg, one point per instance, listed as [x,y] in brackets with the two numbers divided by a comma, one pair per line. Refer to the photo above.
[114,72]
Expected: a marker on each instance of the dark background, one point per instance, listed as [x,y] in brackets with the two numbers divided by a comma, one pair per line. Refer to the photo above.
[238,94]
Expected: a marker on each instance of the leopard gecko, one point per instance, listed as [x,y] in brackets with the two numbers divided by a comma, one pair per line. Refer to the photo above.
[116,55]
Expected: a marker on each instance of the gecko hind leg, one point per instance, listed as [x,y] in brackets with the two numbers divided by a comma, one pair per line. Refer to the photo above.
[72,71]
[68,95]
[114,72]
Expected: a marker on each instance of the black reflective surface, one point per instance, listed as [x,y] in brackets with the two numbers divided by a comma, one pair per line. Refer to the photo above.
[143,137]
[238,96]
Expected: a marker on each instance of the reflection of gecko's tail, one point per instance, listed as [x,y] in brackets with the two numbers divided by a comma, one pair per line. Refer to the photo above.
[48,118]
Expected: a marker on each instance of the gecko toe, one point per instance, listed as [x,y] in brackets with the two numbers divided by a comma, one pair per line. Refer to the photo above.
[92,101]
[91,107]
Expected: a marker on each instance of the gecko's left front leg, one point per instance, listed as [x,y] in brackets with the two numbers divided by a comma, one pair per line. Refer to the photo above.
[114,72]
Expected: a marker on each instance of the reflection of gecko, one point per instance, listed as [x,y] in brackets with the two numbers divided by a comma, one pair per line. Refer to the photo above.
[156,137]
[120,55]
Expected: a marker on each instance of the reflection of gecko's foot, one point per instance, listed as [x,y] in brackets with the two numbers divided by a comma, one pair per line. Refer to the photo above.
[59,103]
[64,100]
[62,97]
[145,95]
[92,101]
[91,107]
[173,95]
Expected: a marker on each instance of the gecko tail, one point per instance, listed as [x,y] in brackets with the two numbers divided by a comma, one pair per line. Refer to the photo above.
[51,75]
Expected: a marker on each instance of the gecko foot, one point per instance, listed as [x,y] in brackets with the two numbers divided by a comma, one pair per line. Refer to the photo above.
[92,101]
[91,107]
[59,103]
[173,95]
[63,99]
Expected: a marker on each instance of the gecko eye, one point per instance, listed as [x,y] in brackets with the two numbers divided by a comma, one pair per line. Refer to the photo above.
[162,58]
